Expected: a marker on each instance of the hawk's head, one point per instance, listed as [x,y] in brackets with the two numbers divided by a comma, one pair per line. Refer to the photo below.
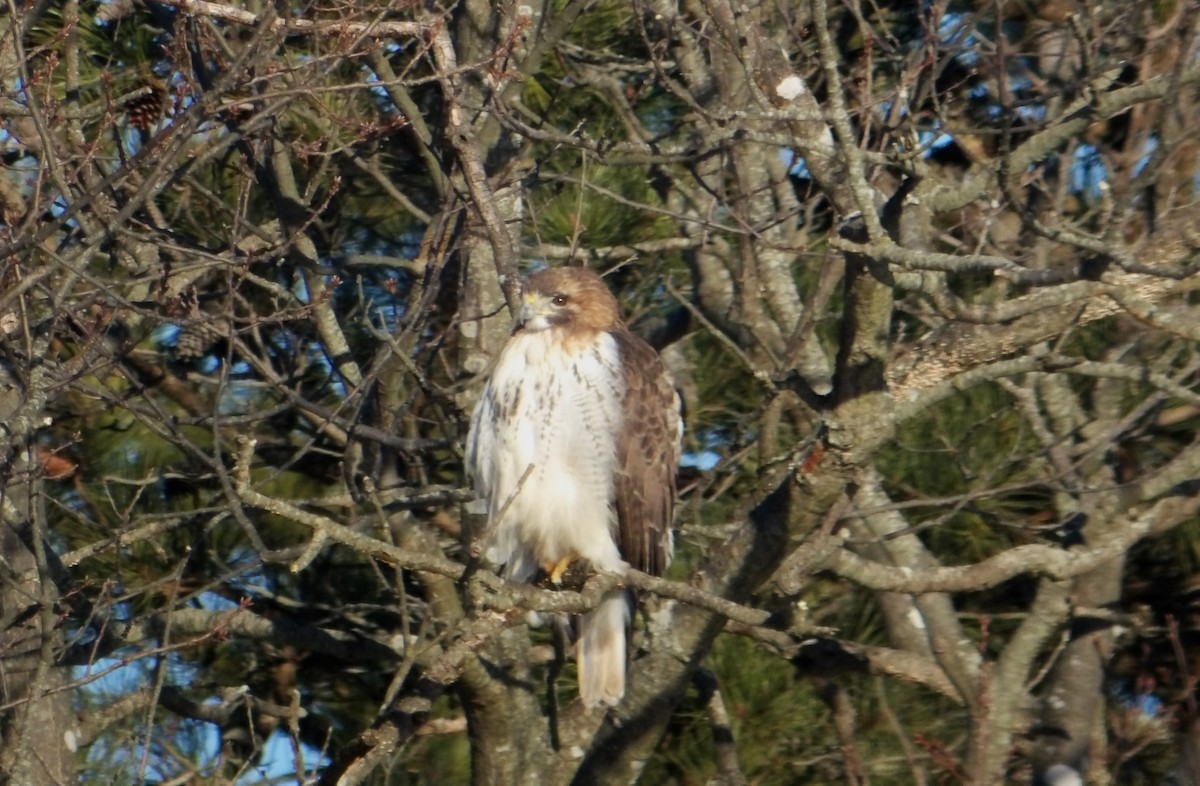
[568,297]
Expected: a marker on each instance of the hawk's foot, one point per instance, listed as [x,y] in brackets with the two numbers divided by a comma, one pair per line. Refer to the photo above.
[560,568]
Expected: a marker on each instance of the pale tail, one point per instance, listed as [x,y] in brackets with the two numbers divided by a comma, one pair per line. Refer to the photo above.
[601,651]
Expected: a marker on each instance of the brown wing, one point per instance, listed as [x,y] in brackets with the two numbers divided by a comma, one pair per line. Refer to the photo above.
[647,456]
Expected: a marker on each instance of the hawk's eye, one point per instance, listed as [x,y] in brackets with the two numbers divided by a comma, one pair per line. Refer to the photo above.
[558,299]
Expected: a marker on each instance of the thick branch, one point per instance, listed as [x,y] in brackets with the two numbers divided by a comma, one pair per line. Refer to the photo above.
[294,26]
[1043,560]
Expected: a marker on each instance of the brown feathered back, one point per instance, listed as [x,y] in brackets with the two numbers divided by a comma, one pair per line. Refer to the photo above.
[647,457]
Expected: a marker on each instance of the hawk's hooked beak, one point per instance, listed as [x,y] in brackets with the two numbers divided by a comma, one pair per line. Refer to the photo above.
[535,312]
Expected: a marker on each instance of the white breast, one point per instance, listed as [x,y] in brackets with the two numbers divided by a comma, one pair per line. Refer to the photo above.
[542,452]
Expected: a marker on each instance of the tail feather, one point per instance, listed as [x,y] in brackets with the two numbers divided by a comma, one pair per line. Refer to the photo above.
[601,650]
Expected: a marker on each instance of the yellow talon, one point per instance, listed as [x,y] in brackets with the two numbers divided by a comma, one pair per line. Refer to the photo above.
[556,573]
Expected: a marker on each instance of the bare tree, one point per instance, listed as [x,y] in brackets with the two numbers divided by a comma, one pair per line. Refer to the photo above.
[924,275]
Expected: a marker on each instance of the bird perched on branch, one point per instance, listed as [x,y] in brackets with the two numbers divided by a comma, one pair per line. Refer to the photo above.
[573,450]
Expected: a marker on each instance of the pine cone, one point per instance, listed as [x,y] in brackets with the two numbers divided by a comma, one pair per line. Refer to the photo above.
[146,110]
[195,341]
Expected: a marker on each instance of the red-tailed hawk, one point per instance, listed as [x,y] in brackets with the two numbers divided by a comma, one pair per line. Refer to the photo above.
[573,449]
